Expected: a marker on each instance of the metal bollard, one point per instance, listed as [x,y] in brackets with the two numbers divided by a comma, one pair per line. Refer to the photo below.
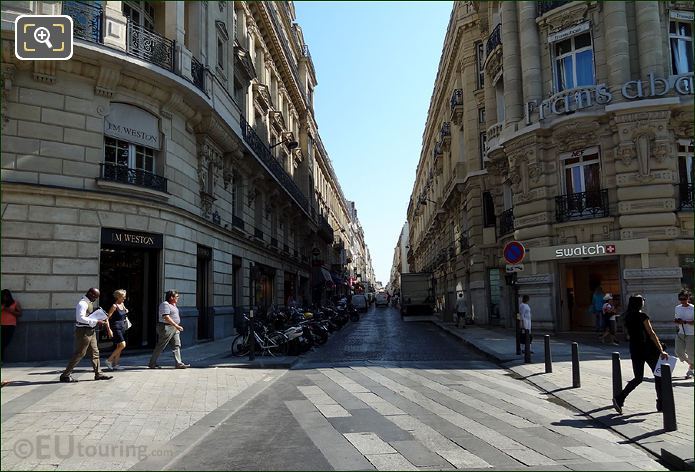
[518,335]
[252,338]
[527,347]
[617,375]
[548,356]
[668,406]
[576,381]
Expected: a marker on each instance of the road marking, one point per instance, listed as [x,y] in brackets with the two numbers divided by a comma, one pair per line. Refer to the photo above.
[323,402]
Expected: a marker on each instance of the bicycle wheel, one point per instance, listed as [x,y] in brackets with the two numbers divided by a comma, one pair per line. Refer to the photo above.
[240,346]
[277,344]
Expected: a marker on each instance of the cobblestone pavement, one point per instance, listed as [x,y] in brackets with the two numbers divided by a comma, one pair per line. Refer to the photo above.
[393,395]
[640,422]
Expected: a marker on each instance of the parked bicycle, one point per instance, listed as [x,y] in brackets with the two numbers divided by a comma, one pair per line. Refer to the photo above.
[267,341]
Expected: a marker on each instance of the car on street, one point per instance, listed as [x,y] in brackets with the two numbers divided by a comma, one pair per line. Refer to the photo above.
[382,299]
[359,301]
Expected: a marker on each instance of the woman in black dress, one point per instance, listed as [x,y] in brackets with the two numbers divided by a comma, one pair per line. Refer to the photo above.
[117,314]
[645,347]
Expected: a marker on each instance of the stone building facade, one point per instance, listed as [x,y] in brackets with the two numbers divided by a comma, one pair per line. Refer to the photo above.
[567,126]
[177,149]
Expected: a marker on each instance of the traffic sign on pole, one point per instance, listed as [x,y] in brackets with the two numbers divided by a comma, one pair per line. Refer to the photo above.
[514,252]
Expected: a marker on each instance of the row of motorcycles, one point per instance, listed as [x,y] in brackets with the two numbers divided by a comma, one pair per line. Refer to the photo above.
[305,329]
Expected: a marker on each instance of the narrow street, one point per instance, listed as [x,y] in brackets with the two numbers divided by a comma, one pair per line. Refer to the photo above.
[391,395]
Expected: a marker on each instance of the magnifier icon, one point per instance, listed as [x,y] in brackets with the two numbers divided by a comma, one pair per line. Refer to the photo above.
[43,36]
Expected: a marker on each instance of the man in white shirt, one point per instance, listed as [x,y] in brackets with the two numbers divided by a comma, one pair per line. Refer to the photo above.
[86,337]
[525,313]
[685,335]
[461,310]
[168,329]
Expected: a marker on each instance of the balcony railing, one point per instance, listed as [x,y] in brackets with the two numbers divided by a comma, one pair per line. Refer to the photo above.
[126,175]
[87,20]
[305,51]
[257,145]
[686,192]
[544,7]
[582,205]
[237,222]
[494,40]
[456,98]
[445,131]
[258,233]
[150,46]
[507,221]
[325,229]
[198,74]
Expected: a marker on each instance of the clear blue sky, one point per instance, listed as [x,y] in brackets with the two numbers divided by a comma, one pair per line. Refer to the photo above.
[375,63]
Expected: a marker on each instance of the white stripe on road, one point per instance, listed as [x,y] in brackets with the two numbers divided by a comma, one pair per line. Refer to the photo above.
[323,402]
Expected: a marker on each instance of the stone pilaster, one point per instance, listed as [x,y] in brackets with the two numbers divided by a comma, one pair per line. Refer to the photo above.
[512,65]
[530,52]
[115,26]
[617,45]
[649,38]
[174,29]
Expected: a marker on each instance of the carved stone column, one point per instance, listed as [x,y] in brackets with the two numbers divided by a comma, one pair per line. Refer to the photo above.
[530,52]
[649,38]
[115,26]
[513,110]
[617,45]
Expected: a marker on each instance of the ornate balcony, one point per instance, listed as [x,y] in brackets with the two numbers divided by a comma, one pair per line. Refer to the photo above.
[87,20]
[125,175]
[237,222]
[545,7]
[198,71]
[150,46]
[305,51]
[686,192]
[274,167]
[457,106]
[494,40]
[507,221]
[325,229]
[582,205]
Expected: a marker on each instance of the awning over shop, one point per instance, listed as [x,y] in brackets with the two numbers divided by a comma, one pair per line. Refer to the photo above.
[322,276]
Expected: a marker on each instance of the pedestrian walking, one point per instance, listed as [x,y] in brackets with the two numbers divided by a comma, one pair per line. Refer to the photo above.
[597,308]
[525,314]
[609,320]
[86,337]
[117,316]
[684,336]
[168,329]
[461,310]
[11,310]
[645,348]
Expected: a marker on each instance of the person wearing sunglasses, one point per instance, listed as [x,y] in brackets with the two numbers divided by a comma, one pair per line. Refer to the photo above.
[684,336]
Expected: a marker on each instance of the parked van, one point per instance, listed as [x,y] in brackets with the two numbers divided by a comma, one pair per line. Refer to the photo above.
[382,299]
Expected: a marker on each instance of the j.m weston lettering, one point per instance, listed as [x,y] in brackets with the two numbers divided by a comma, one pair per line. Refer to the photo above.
[133,238]
[131,132]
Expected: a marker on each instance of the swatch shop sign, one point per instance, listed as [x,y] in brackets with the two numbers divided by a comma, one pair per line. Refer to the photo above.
[576,99]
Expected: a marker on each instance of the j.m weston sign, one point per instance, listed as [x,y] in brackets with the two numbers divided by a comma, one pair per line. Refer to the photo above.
[119,237]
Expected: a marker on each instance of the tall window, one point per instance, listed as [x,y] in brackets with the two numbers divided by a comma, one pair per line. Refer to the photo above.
[479,59]
[481,116]
[132,156]
[574,62]
[140,13]
[686,173]
[488,210]
[681,39]
[482,143]
[220,52]
[581,171]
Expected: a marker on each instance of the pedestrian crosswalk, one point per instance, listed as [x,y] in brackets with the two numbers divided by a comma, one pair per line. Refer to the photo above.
[459,418]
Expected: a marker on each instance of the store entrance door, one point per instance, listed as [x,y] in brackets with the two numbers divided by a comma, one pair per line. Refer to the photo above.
[134,270]
[581,280]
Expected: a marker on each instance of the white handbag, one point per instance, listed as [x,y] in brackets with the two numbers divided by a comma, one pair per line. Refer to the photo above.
[127,324]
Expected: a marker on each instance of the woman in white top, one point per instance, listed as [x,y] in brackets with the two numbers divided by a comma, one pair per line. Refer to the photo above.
[684,337]
[525,314]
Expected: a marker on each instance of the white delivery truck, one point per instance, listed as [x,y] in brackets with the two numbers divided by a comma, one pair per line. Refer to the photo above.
[416,294]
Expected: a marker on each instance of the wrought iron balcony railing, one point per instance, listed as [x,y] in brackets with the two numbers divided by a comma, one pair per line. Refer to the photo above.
[257,145]
[686,192]
[305,51]
[507,221]
[445,131]
[258,233]
[237,222]
[150,46]
[198,74]
[456,98]
[544,7]
[577,206]
[126,175]
[494,40]
[325,229]
[87,20]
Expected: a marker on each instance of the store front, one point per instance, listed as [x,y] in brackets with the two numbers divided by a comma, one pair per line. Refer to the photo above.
[130,260]
[579,270]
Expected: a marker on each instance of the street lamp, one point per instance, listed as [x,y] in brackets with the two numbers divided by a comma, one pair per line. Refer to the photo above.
[290,144]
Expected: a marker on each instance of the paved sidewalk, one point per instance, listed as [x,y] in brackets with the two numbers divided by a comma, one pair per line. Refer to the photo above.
[640,422]
[115,424]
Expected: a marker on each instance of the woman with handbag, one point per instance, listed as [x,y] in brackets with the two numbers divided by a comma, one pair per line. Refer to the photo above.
[118,319]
